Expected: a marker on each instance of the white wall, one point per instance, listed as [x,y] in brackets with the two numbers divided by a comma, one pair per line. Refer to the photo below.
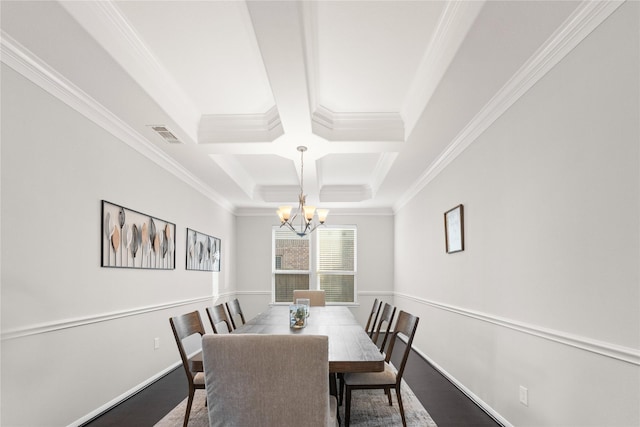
[546,293]
[77,336]
[375,260]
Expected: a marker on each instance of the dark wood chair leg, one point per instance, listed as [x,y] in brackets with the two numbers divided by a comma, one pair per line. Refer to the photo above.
[347,407]
[189,403]
[388,392]
[399,396]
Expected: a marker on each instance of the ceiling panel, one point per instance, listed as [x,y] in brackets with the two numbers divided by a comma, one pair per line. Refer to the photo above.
[269,169]
[209,47]
[383,93]
[347,169]
[368,52]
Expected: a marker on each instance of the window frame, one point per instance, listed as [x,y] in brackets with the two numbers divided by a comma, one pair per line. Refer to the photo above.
[314,274]
[354,273]
[274,272]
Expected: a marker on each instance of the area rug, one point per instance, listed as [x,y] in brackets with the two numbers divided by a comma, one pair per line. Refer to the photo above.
[369,408]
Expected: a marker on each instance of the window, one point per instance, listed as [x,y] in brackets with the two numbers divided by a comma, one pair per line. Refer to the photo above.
[336,263]
[324,260]
[291,264]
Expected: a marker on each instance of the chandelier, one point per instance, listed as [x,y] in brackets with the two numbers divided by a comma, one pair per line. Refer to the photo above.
[304,213]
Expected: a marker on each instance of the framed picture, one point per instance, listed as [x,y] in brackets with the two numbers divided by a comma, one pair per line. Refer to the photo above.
[131,239]
[203,251]
[454,229]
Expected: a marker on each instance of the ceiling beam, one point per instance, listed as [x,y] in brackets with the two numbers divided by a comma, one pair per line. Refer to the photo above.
[279,33]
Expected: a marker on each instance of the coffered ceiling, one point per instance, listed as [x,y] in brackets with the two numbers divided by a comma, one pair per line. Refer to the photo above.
[381,92]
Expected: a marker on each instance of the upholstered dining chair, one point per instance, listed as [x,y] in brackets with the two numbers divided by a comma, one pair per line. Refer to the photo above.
[386,317]
[373,317]
[390,378]
[217,315]
[246,387]
[183,327]
[233,307]
[316,298]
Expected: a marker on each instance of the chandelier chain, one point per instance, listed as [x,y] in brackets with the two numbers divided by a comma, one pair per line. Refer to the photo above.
[304,212]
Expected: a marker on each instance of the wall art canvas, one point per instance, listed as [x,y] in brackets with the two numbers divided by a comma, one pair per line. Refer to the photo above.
[131,239]
[203,251]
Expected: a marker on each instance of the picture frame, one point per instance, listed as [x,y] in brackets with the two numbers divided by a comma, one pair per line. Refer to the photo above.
[131,239]
[203,251]
[454,229]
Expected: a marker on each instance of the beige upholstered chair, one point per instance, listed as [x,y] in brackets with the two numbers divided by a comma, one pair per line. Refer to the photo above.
[316,298]
[183,327]
[390,378]
[246,385]
[386,317]
[217,316]
[233,307]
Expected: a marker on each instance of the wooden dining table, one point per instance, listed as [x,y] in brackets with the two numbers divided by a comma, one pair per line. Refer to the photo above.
[350,348]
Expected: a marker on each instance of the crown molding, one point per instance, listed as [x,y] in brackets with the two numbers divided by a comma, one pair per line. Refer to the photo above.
[335,126]
[105,22]
[270,212]
[41,74]
[587,17]
[264,127]
[452,28]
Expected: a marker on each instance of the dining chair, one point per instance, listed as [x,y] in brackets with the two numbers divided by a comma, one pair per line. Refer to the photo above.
[233,307]
[371,322]
[386,317]
[316,298]
[183,327]
[390,378]
[246,387]
[373,317]
[218,315]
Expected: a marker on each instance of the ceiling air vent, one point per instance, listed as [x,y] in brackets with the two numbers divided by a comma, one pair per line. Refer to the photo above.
[166,134]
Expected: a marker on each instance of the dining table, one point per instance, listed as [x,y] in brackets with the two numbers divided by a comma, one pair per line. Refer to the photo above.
[350,348]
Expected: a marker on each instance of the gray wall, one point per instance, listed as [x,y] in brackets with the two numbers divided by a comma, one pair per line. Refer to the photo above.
[546,293]
[77,336]
[374,258]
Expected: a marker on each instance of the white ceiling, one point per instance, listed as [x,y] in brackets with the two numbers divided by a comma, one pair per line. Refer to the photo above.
[379,91]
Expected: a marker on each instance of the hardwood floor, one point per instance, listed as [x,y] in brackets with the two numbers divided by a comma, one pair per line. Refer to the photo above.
[447,405]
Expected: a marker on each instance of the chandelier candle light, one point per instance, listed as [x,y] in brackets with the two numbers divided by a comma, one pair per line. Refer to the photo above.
[304,212]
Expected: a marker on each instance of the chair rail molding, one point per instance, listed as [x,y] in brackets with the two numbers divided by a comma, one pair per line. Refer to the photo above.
[57,325]
[614,351]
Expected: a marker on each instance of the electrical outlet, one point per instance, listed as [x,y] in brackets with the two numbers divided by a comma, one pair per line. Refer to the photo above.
[524,396]
[156,343]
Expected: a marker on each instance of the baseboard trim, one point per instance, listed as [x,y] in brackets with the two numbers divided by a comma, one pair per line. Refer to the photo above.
[614,351]
[124,396]
[475,399]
